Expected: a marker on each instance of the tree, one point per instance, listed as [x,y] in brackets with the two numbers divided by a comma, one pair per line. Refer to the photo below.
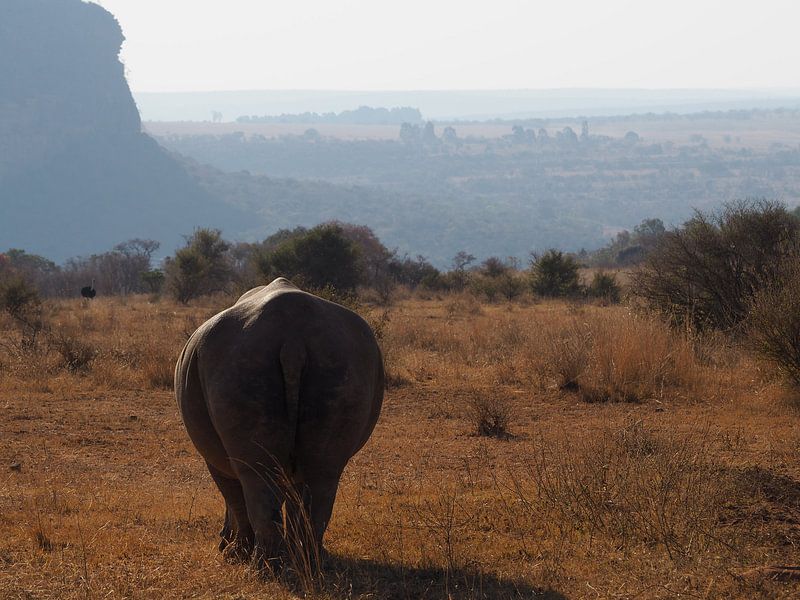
[202,266]
[554,274]
[649,228]
[494,267]
[409,134]
[632,138]
[773,322]
[429,134]
[320,257]
[567,136]
[462,260]
[585,131]
[153,280]
[460,263]
[449,135]
[414,272]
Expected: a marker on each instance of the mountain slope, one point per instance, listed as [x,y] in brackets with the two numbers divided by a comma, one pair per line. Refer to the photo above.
[77,175]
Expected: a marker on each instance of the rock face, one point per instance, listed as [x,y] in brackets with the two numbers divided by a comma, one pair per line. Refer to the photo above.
[77,175]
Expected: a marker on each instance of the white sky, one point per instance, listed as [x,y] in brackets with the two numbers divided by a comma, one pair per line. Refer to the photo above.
[194,45]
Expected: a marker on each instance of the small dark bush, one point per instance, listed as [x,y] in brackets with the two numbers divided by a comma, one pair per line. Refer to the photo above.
[21,301]
[491,416]
[323,256]
[507,286]
[76,355]
[202,266]
[555,275]
[604,287]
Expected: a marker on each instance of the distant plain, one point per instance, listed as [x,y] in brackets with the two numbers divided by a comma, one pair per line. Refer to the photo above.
[758,132]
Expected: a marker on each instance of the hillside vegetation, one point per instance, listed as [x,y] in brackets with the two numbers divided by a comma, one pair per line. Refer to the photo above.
[434,190]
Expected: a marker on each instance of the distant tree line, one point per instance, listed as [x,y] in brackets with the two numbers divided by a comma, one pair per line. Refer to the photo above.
[363,115]
[337,256]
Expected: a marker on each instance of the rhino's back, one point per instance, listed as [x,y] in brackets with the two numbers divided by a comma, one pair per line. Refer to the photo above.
[238,355]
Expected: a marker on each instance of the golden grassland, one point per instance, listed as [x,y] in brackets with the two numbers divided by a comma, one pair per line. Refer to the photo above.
[625,460]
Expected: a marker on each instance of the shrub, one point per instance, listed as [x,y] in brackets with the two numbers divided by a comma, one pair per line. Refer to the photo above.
[635,359]
[76,355]
[491,416]
[617,357]
[634,485]
[153,280]
[21,301]
[773,324]
[323,256]
[708,271]
[555,274]
[17,297]
[201,267]
[604,286]
[506,285]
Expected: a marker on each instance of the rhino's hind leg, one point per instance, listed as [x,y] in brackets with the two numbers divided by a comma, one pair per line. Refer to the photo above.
[264,500]
[319,498]
[236,534]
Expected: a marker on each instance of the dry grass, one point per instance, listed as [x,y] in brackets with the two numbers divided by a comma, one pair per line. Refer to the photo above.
[679,475]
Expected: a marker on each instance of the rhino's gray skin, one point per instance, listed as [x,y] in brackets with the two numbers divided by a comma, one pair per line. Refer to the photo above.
[282,379]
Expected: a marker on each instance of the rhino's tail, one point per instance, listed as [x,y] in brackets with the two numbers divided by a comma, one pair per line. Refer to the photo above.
[293,359]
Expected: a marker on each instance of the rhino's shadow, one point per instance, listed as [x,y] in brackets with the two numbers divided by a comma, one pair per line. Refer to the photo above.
[366,578]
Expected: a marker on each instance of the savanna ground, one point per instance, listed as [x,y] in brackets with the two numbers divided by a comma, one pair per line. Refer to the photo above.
[535,449]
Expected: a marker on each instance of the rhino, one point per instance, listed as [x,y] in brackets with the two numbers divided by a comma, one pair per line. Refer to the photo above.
[281,386]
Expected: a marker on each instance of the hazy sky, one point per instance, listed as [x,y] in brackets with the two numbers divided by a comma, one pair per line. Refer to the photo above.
[187,45]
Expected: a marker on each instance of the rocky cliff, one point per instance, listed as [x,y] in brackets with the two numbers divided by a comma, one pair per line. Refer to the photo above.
[77,175]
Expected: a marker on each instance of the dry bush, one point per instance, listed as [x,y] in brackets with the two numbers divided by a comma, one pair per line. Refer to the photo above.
[773,324]
[463,304]
[490,415]
[708,271]
[76,354]
[632,486]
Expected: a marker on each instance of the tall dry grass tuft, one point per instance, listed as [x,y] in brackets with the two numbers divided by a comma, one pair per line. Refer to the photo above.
[567,352]
[637,358]
[158,366]
[617,356]
[303,559]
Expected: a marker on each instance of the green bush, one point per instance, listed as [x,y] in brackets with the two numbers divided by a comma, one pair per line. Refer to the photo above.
[507,286]
[202,266]
[604,287]
[319,258]
[555,275]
